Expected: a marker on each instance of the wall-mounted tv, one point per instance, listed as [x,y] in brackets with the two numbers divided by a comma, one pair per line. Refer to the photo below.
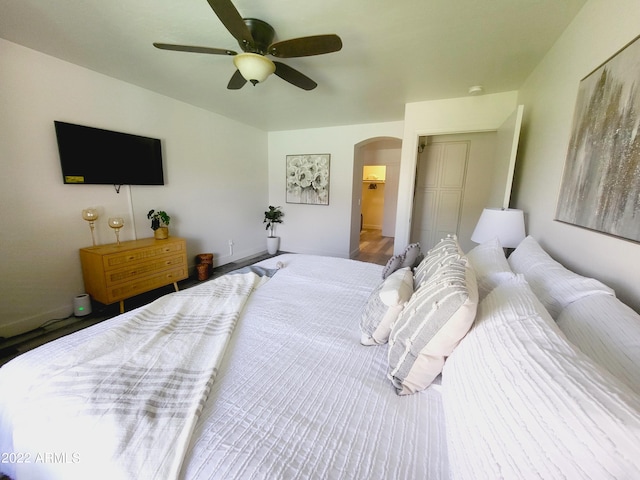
[94,156]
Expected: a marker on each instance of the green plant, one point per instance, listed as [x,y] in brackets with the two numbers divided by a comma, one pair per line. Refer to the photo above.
[158,219]
[271,217]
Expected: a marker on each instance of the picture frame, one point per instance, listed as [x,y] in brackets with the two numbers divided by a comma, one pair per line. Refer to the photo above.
[600,188]
[307,179]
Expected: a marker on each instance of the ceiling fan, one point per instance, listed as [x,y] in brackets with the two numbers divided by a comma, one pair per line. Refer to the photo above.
[255,38]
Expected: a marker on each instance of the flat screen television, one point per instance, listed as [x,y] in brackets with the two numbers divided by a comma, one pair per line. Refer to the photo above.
[94,156]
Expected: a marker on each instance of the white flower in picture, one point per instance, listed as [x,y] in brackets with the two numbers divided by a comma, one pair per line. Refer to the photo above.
[308,179]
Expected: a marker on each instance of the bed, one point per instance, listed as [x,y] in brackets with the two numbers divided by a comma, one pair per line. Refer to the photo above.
[293,379]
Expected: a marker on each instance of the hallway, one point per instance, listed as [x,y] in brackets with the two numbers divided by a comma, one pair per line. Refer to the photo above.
[374,248]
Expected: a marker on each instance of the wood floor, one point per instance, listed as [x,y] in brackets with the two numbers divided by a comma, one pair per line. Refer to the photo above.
[374,248]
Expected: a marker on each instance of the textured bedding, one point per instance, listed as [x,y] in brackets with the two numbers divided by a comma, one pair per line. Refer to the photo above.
[123,402]
[299,397]
[521,402]
[607,331]
[295,395]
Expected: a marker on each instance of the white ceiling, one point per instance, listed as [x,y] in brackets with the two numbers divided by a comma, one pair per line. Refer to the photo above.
[395,51]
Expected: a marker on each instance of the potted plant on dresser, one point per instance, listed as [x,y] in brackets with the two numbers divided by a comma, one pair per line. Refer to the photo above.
[159,224]
[271,218]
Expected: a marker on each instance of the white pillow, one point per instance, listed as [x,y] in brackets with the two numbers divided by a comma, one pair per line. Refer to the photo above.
[608,332]
[555,286]
[521,402]
[432,323]
[384,305]
[491,266]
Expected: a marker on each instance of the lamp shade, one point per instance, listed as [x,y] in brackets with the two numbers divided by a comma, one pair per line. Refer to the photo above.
[253,67]
[506,224]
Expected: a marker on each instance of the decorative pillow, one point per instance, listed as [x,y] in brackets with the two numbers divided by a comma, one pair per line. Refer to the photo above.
[411,256]
[521,402]
[554,285]
[392,265]
[443,253]
[432,323]
[490,265]
[608,332]
[384,305]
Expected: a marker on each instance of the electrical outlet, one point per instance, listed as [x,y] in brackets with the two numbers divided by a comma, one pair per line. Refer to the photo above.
[230,247]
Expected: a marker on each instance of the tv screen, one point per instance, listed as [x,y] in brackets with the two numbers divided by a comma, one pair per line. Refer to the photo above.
[94,156]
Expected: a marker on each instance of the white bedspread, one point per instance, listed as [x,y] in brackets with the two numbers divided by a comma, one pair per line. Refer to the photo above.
[122,403]
[296,395]
[299,397]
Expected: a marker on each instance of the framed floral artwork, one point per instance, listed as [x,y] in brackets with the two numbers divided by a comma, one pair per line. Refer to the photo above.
[600,187]
[308,179]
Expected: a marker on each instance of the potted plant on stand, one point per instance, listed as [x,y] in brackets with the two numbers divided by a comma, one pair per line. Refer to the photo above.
[159,224]
[271,217]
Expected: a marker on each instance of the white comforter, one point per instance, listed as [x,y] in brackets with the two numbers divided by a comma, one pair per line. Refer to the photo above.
[122,404]
[296,395]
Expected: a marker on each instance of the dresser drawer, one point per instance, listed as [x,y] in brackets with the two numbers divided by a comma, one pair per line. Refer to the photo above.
[144,284]
[114,272]
[143,269]
[117,260]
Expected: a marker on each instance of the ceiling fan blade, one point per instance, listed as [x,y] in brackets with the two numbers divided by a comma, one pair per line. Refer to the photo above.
[231,19]
[294,77]
[237,81]
[306,46]
[189,48]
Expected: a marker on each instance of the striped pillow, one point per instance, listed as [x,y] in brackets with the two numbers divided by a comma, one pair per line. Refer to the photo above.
[445,252]
[436,318]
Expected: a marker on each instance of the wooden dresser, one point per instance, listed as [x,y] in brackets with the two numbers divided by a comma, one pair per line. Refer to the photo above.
[113,273]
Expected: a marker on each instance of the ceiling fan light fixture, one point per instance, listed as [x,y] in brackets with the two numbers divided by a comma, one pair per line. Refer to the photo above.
[254,68]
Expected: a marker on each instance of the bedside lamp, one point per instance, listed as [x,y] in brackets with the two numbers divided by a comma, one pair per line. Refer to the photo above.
[505,223]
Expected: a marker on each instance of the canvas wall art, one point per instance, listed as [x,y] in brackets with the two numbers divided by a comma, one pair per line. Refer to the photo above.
[308,179]
[600,187]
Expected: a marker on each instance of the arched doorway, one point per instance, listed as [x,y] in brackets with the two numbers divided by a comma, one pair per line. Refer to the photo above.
[374,244]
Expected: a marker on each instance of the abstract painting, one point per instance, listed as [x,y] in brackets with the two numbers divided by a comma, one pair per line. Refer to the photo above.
[308,179]
[600,187]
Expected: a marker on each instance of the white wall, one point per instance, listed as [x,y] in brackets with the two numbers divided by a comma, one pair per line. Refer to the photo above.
[599,30]
[314,228]
[457,115]
[215,169]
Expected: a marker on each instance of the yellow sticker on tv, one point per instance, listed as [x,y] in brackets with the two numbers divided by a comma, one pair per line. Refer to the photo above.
[74,179]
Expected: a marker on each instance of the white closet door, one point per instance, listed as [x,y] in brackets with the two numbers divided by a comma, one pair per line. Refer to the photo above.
[440,180]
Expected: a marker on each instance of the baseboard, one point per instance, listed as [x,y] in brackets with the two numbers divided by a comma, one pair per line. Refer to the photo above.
[25,325]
